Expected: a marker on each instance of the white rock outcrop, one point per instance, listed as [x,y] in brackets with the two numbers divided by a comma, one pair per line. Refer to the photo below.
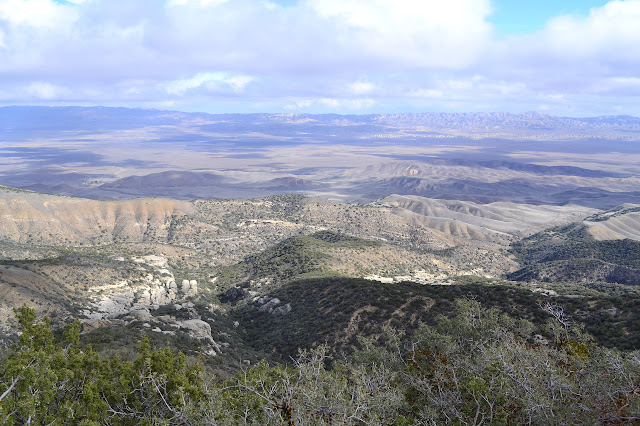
[197,329]
[157,288]
[189,288]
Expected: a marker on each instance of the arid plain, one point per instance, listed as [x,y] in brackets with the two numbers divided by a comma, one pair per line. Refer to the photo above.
[103,153]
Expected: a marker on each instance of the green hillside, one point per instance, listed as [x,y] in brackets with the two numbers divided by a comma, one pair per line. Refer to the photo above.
[570,254]
[295,257]
[337,311]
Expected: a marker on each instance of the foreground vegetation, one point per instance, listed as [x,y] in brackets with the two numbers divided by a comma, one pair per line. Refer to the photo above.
[348,307]
[478,366]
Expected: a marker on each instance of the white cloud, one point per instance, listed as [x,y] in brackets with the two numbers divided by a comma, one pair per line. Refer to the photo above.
[609,32]
[425,93]
[210,80]
[360,88]
[330,104]
[618,86]
[299,105]
[36,13]
[423,33]
[179,87]
[314,54]
[201,3]
[239,82]
[252,36]
[601,44]
[45,91]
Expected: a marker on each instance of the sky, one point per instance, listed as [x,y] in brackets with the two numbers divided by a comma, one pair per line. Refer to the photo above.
[563,57]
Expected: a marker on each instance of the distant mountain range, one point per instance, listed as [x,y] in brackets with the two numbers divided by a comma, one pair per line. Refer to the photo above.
[529,125]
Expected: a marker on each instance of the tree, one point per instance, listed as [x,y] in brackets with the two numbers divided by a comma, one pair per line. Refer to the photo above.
[44,380]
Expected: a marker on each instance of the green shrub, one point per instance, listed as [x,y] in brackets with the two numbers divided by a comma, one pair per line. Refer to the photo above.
[45,380]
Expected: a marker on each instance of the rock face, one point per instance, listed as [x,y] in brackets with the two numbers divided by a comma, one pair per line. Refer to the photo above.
[235,294]
[282,310]
[158,288]
[268,304]
[189,287]
[197,329]
[129,300]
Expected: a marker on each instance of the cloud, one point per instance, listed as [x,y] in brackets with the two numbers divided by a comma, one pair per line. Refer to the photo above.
[350,55]
[414,33]
[148,38]
[36,13]
[609,33]
[210,80]
[576,54]
[45,91]
[201,3]
[331,104]
[360,88]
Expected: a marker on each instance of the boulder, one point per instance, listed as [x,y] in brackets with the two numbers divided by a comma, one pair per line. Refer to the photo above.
[234,294]
[92,324]
[270,305]
[142,314]
[197,329]
[189,288]
[153,260]
[282,310]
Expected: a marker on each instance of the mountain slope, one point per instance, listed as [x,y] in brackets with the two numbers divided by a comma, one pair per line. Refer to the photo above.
[482,221]
[29,217]
[619,223]
[570,254]
[229,230]
[311,312]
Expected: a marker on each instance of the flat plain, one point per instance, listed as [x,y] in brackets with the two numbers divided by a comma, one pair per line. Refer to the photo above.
[115,153]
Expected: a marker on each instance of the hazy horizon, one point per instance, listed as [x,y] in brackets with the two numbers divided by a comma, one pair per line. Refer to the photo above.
[289,113]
